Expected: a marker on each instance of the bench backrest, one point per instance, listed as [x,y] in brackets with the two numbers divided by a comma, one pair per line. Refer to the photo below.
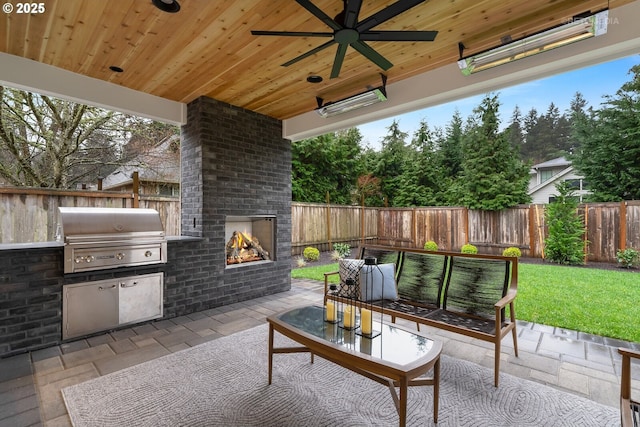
[463,283]
[474,285]
[421,277]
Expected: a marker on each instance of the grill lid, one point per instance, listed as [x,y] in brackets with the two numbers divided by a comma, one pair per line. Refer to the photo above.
[79,223]
[102,238]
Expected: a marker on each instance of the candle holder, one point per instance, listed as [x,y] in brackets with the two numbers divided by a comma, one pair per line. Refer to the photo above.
[348,308]
[331,309]
[367,313]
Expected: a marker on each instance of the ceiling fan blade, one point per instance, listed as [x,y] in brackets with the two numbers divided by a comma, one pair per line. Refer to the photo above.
[290,33]
[307,54]
[351,12]
[337,62]
[319,14]
[399,36]
[387,13]
[372,55]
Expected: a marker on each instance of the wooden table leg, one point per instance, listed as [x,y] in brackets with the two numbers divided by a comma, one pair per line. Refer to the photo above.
[270,351]
[436,389]
[402,404]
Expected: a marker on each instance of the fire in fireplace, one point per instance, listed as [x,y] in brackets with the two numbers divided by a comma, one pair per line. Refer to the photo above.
[249,239]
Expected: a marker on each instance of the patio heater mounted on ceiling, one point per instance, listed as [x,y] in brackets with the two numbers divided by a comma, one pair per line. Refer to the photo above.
[364,99]
[579,28]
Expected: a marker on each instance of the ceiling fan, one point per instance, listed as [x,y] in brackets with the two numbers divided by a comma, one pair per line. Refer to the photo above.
[349,31]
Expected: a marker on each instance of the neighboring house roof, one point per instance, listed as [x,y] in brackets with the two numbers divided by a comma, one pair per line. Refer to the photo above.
[553,163]
[158,164]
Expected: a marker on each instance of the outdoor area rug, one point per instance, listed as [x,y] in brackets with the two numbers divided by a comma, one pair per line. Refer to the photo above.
[224,383]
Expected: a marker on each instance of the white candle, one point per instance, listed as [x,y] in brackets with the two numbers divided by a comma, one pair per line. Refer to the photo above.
[366,321]
[331,311]
[349,317]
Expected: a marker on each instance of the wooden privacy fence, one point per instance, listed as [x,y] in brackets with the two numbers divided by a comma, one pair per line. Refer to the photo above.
[608,226]
[31,215]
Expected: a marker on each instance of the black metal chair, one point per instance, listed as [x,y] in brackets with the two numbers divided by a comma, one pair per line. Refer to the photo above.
[629,408]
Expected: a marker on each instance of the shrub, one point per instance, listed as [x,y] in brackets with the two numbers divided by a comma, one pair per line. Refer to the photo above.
[564,244]
[512,251]
[469,249]
[628,258]
[431,246]
[300,262]
[311,254]
[343,249]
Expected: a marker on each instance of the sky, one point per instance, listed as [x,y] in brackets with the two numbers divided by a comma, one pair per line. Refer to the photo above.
[593,82]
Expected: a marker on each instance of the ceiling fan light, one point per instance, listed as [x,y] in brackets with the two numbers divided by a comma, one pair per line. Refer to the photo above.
[170,6]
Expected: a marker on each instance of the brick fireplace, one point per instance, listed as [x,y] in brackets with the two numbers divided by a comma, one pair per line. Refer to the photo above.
[236,167]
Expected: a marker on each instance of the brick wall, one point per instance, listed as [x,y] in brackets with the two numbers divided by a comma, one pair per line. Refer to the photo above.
[234,162]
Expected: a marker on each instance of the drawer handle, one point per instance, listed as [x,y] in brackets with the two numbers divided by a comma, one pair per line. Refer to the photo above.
[148,254]
[100,288]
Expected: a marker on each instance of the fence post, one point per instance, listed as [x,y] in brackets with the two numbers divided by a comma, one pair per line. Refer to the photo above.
[362,228]
[136,189]
[532,231]
[328,222]
[623,225]
[466,225]
[586,233]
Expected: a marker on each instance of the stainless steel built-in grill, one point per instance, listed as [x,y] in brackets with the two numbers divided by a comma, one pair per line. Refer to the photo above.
[102,238]
[106,238]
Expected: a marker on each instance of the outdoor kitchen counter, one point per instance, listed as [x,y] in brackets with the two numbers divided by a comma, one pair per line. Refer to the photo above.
[33,245]
[54,244]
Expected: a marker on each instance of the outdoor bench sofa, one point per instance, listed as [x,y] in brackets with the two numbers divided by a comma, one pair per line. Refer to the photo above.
[462,293]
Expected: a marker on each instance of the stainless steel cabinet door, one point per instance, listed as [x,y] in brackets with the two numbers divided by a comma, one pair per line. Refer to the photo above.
[89,307]
[140,298]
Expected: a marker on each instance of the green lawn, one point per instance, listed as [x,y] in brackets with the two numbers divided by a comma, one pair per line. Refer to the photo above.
[600,302]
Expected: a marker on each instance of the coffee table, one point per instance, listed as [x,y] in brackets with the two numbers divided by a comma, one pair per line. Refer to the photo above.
[396,358]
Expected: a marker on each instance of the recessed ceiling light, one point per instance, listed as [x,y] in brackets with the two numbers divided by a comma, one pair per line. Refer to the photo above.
[171,6]
[116,69]
[314,79]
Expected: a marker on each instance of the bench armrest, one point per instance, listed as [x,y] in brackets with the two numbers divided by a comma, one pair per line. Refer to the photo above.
[635,354]
[507,299]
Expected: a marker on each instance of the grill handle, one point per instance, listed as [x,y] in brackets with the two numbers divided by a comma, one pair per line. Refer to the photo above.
[129,284]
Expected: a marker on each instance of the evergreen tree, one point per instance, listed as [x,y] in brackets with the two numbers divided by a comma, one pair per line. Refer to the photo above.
[577,112]
[450,147]
[516,132]
[391,162]
[564,243]
[421,177]
[327,163]
[493,176]
[528,147]
[610,144]
[450,156]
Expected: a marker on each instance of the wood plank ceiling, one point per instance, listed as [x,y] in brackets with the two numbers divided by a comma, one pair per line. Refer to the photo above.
[206,49]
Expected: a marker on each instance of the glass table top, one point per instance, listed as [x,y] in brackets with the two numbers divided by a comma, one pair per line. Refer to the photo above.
[393,344]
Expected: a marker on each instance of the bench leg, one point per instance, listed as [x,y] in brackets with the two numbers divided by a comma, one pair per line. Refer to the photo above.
[496,356]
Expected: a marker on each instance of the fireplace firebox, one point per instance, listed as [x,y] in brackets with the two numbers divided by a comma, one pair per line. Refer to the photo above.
[250,239]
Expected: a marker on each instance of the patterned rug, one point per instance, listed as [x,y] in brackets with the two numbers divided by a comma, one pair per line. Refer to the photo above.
[224,383]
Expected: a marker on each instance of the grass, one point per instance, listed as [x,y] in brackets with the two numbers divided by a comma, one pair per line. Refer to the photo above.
[591,300]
